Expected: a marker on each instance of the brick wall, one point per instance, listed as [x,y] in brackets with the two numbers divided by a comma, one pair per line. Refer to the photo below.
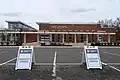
[79,28]
[31,38]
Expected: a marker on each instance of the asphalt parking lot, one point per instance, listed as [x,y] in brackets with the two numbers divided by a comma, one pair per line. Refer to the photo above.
[65,57]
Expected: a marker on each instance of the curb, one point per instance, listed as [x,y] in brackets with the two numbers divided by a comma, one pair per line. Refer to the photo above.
[109,46]
[9,46]
[61,46]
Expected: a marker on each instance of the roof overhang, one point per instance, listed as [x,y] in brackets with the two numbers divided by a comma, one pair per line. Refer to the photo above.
[44,32]
[82,23]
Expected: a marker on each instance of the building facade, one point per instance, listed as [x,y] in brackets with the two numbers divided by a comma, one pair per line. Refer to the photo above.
[59,33]
[76,38]
[21,27]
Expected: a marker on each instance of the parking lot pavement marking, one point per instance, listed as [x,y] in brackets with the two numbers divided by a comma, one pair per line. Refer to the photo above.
[8,61]
[3,52]
[112,53]
[10,64]
[54,65]
[113,63]
[111,66]
[54,62]
[82,56]
[115,68]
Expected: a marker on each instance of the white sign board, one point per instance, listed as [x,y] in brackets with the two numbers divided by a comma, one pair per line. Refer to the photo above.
[92,57]
[24,57]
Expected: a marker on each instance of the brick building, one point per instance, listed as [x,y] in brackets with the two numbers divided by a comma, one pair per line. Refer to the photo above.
[60,33]
[77,27]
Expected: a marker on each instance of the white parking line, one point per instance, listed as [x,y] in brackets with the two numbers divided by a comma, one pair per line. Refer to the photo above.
[113,63]
[112,54]
[54,65]
[54,62]
[10,64]
[7,61]
[3,52]
[111,67]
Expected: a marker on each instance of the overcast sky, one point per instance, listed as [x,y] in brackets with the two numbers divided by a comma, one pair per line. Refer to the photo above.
[31,11]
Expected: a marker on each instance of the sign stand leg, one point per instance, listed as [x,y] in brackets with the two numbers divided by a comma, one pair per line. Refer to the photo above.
[33,59]
[83,58]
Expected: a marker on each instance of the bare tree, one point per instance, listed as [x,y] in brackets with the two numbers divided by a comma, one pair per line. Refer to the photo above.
[110,22]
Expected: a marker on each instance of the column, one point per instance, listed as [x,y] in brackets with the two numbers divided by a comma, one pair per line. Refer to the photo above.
[6,37]
[109,38]
[24,37]
[86,38]
[75,38]
[15,37]
[62,38]
[38,37]
[50,37]
[0,37]
[11,37]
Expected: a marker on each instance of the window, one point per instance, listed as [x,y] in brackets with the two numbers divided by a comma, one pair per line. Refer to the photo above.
[58,36]
[53,37]
[92,37]
[82,38]
[70,37]
[10,26]
[21,26]
[64,37]
[100,38]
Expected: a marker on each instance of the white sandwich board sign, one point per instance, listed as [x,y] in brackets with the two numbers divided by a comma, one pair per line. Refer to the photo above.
[92,57]
[24,57]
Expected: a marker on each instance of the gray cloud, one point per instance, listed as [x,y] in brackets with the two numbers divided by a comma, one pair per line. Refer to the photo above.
[11,14]
[83,10]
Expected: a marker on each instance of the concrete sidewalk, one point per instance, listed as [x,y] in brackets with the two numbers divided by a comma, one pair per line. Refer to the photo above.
[74,45]
[32,44]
